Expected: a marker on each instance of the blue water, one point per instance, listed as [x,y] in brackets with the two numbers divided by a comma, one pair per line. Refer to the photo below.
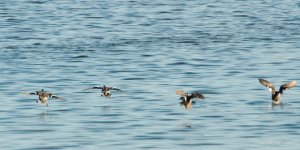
[149,49]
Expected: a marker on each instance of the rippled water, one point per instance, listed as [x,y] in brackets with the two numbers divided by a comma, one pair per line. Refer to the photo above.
[148,49]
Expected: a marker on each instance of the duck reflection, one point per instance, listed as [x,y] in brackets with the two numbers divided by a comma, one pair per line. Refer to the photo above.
[107,108]
[43,116]
[187,125]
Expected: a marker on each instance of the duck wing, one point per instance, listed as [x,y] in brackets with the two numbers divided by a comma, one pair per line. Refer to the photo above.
[181,92]
[267,84]
[197,95]
[113,88]
[33,93]
[287,86]
[54,96]
[95,87]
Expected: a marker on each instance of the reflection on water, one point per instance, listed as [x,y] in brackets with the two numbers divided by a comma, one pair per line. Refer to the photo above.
[107,108]
[282,105]
[43,116]
[187,125]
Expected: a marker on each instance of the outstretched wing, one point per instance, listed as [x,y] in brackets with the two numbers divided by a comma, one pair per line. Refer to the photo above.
[267,84]
[287,86]
[197,95]
[95,87]
[181,92]
[29,93]
[113,88]
[54,96]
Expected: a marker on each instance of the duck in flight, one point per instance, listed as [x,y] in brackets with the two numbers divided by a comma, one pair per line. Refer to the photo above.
[105,90]
[43,96]
[276,95]
[186,99]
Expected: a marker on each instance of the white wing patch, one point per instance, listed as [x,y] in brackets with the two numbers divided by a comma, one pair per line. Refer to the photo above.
[270,89]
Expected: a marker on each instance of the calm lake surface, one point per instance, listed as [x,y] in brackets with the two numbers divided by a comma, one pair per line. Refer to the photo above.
[149,49]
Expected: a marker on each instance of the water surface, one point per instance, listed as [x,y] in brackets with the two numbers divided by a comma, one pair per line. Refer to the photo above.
[148,49]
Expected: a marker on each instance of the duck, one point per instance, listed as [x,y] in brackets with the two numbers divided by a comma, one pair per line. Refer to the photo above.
[43,96]
[186,99]
[105,90]
[276,95]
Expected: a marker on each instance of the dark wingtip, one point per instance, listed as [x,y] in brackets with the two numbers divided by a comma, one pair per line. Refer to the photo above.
[197,94]
[86,89]
[261,80]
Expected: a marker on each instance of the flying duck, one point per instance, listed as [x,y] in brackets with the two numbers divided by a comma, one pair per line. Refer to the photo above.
[43,96]
[186,99]
[276,95]
[105,90]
